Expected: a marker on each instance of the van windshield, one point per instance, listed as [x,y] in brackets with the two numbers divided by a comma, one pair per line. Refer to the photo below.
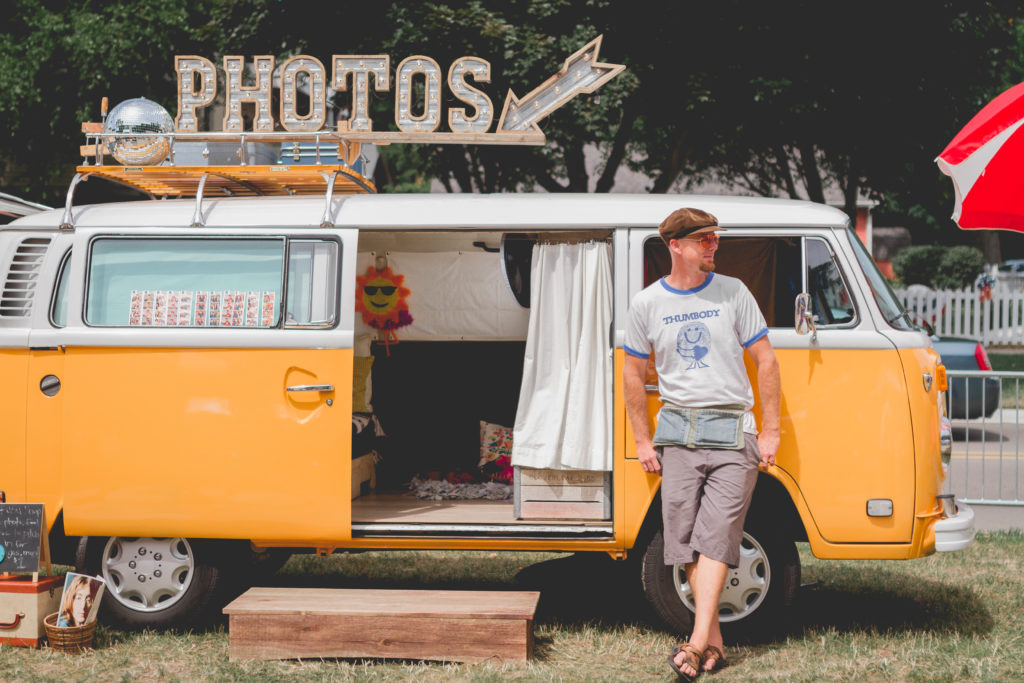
[886,299]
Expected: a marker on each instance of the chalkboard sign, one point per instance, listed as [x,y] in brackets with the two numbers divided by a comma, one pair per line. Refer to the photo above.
[21,532]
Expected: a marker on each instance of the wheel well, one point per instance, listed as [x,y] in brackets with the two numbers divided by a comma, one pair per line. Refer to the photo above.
[62,546]
[772,501]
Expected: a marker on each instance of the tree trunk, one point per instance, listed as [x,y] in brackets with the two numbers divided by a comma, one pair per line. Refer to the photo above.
[850,193]
[663,183]
[988,242]
[812,176]
[782,161]
[576,167]
[618,153]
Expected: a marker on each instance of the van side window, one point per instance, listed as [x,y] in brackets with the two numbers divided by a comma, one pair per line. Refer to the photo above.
[59,310]
[169,282]
[829,296]
[312,283]
[769,266]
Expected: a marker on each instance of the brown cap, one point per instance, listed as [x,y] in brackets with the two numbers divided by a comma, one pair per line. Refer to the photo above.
[686,222]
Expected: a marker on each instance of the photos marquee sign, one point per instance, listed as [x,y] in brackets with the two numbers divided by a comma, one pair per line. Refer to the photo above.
[197,87]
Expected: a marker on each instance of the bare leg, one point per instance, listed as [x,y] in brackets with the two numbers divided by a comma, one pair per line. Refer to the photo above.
[706,578]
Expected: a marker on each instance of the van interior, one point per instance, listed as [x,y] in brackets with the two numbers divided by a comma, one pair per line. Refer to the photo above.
[434,389]
[455,370]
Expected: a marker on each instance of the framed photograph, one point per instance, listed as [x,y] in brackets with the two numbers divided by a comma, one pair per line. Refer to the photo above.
[80,601]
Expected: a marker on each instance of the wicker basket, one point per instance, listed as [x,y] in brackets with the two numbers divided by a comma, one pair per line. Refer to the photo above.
[68,639]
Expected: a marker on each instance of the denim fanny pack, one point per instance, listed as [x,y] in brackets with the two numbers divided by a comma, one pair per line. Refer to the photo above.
[719,427]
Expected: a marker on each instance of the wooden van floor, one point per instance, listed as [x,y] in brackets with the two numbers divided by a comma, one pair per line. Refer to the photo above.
[380,508]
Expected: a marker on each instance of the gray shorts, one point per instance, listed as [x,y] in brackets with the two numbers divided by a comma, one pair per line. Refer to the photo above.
[705,494]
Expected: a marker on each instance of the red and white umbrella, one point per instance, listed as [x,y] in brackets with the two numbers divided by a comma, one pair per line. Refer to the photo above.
[986,162]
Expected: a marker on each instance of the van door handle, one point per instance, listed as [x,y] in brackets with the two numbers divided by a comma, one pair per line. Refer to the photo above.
[311,387]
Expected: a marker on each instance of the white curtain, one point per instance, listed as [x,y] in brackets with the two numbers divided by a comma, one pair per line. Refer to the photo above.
[564,419]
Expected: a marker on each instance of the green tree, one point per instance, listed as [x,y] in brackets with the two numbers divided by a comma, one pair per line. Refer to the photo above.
[771,98]
[917,265]
[57,61]
[959,267]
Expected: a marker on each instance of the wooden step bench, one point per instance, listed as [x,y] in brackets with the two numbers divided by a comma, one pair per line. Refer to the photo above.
[465,626]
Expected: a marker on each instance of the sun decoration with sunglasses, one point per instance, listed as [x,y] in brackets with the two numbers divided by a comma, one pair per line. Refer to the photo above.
[382,301]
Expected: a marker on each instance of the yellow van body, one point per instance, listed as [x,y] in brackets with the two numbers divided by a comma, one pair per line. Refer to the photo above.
[244,435]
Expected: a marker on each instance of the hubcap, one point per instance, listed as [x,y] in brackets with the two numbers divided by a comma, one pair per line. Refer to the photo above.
[147,574]
[745,587]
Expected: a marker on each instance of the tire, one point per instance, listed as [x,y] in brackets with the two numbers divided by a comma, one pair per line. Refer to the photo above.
[756,594]
[152,582]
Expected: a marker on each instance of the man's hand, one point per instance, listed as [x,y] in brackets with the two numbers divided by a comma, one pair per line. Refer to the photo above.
[648,456]
[768,443]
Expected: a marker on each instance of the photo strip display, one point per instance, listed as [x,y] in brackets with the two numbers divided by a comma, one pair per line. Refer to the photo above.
[187,308]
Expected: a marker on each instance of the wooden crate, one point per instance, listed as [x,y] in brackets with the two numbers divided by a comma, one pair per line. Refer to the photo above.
[562,494]
[465,626]
[23,606]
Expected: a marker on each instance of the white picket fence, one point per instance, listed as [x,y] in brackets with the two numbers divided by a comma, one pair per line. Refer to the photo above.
[998,321]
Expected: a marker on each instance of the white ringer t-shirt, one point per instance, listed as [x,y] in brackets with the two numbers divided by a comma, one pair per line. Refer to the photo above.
[698,337]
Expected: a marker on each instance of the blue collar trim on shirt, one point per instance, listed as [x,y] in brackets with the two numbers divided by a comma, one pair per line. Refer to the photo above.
[687,291]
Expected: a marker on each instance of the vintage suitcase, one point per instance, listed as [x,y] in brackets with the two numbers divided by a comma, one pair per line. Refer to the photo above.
[24,605]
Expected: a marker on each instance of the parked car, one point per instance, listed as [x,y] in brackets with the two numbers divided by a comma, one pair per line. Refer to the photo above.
[968,397]
[1012,266]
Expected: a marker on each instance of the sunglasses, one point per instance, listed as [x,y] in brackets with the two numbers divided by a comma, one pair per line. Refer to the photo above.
[707,240]
[386,290]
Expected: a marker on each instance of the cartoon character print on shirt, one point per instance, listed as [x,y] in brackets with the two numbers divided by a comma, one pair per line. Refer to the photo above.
[693,343]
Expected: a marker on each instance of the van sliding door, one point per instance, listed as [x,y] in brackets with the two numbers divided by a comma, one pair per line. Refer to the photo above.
[209,384]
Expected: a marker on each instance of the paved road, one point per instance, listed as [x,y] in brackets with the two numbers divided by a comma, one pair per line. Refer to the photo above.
[988,462]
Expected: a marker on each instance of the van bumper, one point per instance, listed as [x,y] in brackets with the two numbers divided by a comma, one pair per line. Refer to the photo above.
[956,532]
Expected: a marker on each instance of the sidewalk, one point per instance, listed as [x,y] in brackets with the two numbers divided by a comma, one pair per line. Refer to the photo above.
[997,517]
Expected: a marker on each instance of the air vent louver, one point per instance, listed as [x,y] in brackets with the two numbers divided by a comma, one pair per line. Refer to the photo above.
[21,281]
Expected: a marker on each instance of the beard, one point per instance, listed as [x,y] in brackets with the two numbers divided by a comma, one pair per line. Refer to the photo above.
[707,267]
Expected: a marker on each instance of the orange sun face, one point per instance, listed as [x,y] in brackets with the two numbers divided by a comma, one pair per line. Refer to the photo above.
[380,297]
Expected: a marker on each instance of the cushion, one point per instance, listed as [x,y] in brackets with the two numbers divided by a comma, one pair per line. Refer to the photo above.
[361,345]
[496,451]
[361,384]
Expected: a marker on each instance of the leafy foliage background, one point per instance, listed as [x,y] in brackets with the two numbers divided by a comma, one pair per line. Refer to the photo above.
[784,98]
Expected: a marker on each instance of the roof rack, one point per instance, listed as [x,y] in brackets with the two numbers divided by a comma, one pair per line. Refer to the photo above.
[242,178]
[171,180]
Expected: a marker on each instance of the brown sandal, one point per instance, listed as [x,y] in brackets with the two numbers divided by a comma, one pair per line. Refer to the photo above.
[691,655]
[715,653]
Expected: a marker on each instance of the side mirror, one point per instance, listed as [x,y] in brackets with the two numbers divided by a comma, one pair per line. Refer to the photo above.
[804,319]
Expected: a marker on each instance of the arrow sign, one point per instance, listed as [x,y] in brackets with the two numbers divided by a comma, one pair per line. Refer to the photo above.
[581,73]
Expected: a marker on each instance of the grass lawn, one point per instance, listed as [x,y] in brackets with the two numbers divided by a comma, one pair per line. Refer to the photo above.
[952,616]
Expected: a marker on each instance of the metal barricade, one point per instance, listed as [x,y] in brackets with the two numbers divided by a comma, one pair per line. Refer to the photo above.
[985,410]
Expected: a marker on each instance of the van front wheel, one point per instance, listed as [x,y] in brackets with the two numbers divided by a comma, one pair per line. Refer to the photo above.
[150,582]
[755,595]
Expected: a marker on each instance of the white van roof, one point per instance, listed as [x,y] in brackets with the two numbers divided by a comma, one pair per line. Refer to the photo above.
[432,211]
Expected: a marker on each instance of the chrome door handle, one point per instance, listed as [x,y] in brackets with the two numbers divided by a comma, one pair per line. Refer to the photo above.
[311,387]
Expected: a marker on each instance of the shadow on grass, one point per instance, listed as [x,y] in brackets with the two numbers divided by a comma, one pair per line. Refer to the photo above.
[590,590]
[848,599]
[845,598]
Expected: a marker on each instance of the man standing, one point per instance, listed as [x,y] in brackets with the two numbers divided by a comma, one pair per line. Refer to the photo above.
[706,446]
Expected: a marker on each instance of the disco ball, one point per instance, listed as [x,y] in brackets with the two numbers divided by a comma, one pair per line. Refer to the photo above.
[138,116]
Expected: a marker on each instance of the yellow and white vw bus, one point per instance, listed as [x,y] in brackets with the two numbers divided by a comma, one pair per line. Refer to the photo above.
[190,389]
